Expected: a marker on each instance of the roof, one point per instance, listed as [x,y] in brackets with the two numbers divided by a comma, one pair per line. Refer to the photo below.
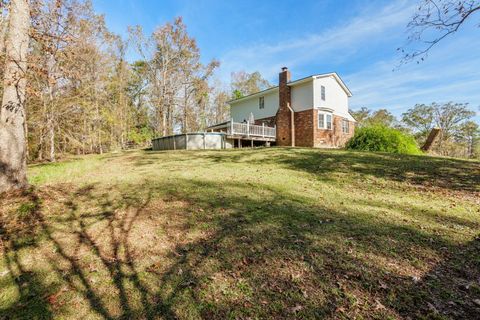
[259,93]
[323,75]
[219,125]
[298,82]
[349,117]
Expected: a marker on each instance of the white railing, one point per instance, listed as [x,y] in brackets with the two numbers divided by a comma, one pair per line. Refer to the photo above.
[250,130]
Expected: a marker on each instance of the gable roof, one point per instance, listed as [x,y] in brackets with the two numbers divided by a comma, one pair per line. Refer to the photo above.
[323,75]
[253,95]
[297,82]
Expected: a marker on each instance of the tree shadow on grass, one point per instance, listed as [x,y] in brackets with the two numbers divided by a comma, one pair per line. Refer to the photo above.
[337,260]
[445,173]
[71,239]
[418,213]
[29,284]
[197,249]
[450,290]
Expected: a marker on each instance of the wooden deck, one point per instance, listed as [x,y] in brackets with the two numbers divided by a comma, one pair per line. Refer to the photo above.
[252,138]
[247,131]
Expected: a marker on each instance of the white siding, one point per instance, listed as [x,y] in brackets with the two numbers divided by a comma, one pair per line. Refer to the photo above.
[241,110]
[305,96]
[336,97]
[302,96]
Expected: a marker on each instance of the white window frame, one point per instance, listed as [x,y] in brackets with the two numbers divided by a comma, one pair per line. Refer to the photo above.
[345,126]
[323,94]
[261,102]
[325,122]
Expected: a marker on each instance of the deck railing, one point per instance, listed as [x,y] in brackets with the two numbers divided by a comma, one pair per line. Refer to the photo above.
[250,130]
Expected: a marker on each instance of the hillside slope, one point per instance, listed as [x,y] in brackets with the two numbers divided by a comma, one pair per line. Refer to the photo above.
[266,233]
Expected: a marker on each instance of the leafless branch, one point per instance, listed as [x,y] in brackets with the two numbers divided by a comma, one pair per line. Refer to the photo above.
[433,21]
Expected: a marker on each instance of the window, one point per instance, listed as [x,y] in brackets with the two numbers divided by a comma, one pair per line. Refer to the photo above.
[345,126]
[321,121]
[261,102]
[325,121]
[323,92]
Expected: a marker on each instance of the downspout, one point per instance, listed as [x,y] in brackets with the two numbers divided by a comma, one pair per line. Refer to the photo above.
[292,124]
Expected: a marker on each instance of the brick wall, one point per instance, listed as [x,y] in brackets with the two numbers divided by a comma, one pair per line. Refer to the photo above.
[305,124]
[304,128]
[341,138]
[334,138]
[269,122]
[283,117]
[307,133]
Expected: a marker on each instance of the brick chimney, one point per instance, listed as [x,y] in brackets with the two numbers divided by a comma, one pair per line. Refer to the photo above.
[285,115]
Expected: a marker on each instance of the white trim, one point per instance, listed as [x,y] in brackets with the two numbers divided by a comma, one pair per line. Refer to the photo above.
[347,116]
[347,126]
[313,95]
[300,81]
[254,95]
[297,82]
[261,102]
[323,75]
[325,109]
[338,79]
[325,115]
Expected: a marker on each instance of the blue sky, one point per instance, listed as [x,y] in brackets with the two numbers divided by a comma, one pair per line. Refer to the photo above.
[357,39]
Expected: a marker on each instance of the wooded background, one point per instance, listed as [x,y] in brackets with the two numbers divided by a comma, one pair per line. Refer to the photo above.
[84,96]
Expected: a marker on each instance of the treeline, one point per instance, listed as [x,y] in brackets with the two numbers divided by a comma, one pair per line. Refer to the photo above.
[459,136]
[84,96]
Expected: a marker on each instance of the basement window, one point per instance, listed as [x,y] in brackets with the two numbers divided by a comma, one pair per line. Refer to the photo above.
[322,89]
[345,126]
[325,121]
[261,103]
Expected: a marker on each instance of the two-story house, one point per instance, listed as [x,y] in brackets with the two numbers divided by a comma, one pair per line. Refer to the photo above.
[309,112]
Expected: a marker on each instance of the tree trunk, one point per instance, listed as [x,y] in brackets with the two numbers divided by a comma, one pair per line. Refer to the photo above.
[40,147]
[3,32]
[432,137]
[470,145]
[185,103]
[51,136]
[164,124]
[12,113]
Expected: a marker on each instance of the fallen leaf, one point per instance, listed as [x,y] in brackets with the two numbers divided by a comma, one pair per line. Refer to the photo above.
[297,308]
[379,305]
[383,285]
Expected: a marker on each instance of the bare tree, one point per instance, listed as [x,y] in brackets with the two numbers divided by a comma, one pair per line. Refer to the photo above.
[244,84]
[433,21]
[219,107]
[12,113]
[177,80]
[83,96]
[77,81]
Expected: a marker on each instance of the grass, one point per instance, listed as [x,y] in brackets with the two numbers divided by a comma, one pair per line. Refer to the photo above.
[244,234]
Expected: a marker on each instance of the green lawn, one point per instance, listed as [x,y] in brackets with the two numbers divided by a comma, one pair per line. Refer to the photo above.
[244,234]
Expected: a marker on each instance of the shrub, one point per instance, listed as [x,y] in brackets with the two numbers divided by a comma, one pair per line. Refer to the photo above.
[140,135]
[383,139]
